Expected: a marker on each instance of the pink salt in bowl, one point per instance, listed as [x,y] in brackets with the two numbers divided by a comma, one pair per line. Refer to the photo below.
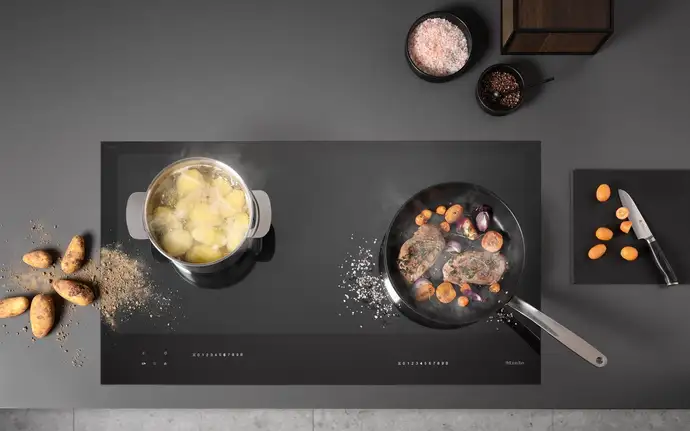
[438,46]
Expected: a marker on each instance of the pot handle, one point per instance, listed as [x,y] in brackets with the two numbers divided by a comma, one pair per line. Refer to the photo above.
[263,203]
[134,213]
[559,332]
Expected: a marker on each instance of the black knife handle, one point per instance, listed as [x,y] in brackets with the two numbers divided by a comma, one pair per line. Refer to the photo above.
[662,262]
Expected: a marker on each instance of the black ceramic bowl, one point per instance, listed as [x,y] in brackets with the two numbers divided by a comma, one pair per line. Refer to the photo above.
[487,103]
[453,19]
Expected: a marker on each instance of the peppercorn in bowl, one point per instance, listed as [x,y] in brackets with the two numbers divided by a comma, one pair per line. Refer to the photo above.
[500,89]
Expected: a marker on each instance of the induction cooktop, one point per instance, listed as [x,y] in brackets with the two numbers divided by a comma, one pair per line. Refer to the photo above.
[282,315]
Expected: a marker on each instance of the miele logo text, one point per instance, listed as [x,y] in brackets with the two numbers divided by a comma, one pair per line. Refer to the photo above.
[217,355]
[422,363]
[515,363]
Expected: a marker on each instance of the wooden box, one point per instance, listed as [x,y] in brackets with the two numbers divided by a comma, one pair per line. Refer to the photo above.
[555,26]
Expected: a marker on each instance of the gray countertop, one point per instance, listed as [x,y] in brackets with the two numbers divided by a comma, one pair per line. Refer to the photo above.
[75,73]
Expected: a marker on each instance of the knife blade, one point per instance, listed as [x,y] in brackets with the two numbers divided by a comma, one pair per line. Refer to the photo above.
[642,231]
[639,225]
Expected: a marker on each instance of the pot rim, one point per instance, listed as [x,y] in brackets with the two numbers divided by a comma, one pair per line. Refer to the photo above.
[201,161]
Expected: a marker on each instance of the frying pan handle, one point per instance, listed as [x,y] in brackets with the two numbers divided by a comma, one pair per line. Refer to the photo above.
[559,332]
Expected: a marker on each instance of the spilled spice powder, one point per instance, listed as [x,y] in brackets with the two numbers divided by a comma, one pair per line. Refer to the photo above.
[124,285]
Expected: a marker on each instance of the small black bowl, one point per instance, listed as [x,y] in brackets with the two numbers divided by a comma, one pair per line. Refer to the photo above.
[453,19]
[493,107]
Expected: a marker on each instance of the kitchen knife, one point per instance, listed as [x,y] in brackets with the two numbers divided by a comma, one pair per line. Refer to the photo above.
[642,232]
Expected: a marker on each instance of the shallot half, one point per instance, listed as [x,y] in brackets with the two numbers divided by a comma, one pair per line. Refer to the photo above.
[453,247]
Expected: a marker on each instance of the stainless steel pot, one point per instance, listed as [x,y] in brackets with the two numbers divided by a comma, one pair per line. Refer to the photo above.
[140,207]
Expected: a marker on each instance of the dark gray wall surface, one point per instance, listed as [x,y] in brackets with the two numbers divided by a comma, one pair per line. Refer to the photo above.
[74,74]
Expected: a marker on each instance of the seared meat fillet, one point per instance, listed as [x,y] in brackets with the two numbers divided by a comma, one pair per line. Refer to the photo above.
[475,267]
[420,252]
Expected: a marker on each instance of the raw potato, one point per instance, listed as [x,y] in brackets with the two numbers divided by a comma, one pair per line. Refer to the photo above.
[629,253]
[189,181]
[427,214]
[597,251]
[38,259]
[495,288]
[74,256]
[201,253]
[444,226]
[463,301]
[454,213]
[10,307]
[177,242]
[604,234]
[209,235]
[420,220]
[42,315]
[625,226]
[603,192]
[440,210]
[74,292]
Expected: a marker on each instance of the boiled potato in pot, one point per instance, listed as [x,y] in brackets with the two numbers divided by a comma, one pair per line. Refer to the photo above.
[241,222]
[209,235]
[204,219]
[189,180]
[236,199]
[177,242]
[234,239]
[205,215]
[226,208]
[184,206]
[164,219]
[221,185]
[202,253]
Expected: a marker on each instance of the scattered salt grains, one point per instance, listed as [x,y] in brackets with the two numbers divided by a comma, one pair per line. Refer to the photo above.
[78,359]
[438,47]
[502,317]
[365,288]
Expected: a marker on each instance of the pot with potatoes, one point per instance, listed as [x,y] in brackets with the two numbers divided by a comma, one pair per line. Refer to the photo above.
[199,213]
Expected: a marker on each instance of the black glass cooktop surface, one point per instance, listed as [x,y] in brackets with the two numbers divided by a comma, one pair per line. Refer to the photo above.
[288,313]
